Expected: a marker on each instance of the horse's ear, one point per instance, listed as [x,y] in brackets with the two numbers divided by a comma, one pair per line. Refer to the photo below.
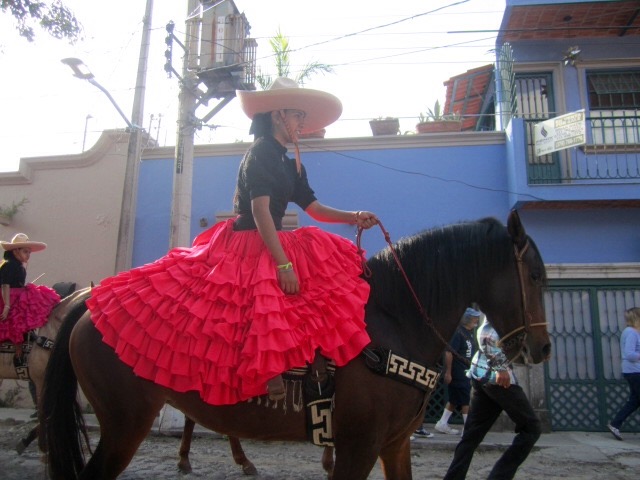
[516,229]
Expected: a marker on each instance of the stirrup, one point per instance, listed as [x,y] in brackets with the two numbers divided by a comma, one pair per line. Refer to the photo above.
[275,388]
[20,361]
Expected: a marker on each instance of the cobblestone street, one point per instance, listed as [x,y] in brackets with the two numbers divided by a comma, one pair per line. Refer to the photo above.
[567,456]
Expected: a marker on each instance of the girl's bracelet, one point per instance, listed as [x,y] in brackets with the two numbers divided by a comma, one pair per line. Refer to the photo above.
[287,267]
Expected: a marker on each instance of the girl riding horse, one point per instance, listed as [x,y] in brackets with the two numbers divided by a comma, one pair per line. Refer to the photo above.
[248,301]
[25,306]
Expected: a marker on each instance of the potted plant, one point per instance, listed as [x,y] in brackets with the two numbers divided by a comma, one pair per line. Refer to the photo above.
[434,121]
[384,126]
[7,213]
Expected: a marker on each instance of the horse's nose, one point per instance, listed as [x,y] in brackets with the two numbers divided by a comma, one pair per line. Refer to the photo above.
[546,351]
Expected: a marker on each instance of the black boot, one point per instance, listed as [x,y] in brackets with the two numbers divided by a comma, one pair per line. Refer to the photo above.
[319,368]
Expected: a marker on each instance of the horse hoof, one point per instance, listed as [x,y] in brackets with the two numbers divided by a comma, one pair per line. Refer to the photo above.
[20,447]
[184,467]
[249,469]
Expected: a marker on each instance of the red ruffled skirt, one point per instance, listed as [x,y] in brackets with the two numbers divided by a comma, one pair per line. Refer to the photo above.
[29,309]
[212,318]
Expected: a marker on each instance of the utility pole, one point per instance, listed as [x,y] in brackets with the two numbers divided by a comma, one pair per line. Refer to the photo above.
[180,233]
[124,252]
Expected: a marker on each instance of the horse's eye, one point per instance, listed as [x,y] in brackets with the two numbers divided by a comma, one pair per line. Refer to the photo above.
[536,277]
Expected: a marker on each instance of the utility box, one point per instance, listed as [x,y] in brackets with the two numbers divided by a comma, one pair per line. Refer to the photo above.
[227,58]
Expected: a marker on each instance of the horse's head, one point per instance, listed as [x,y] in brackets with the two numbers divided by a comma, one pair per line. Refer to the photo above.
[522,326]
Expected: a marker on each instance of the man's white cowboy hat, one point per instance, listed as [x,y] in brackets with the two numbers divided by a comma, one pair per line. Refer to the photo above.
[20,240]
[321,108]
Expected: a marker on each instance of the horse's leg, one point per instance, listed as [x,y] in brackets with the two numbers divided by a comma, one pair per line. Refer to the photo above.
[25,442]
[241,459]
[185,445]
[125,405]
[327,461]
[396,461]
[122,430]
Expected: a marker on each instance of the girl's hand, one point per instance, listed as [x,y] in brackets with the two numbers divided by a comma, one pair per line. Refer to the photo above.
[288,281]
[366,219]
[5,313]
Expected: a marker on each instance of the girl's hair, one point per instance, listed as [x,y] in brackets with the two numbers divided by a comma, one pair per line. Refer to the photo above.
[8,254]
[261,125]
[632,316]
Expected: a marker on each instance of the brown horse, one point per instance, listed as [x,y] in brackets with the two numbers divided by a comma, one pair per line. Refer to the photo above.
[448,268]
[38,350]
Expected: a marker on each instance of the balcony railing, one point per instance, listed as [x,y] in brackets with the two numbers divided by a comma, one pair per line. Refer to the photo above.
[612,152]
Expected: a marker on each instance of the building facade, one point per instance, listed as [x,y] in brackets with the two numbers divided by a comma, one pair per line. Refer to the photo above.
[581,205]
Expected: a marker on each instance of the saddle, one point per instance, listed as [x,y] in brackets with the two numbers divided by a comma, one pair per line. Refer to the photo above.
[309,388]
[21,364]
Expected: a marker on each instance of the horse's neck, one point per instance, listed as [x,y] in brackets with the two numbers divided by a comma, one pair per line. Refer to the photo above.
[50,329]
[421,338]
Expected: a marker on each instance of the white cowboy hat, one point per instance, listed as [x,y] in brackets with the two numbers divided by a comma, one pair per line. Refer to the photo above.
[321,108]
[20,240]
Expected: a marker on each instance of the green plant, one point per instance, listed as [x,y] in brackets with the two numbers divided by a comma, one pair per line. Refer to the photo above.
[15,207]
[436,115]
[281,51]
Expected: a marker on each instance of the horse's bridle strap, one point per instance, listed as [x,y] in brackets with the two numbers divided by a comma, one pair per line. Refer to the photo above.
[520,333]
[519,329]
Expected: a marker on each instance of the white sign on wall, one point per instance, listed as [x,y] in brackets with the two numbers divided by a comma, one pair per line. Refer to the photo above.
[559,133]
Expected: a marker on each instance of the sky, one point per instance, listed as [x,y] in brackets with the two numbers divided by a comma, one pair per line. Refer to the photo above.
[389,59]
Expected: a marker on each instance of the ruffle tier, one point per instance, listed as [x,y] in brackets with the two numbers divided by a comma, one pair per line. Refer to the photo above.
[29,309]
[212,318]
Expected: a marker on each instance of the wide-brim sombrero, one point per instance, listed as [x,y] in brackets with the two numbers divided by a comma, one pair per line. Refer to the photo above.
[20,240]
[321,108]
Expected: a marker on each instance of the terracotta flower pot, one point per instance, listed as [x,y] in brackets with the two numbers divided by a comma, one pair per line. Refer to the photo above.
[387,126]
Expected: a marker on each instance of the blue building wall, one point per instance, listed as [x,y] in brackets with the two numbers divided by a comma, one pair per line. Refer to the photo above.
[410,189]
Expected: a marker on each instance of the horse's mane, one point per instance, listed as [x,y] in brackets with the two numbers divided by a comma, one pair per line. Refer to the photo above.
[440,263]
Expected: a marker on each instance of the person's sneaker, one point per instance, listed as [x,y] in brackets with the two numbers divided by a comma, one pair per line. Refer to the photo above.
[614,431]
[445,428]
[421,432]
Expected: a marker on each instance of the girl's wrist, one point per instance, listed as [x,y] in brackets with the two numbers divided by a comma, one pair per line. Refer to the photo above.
[285,267]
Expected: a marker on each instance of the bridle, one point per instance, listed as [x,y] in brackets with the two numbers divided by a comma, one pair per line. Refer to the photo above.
[518,336]
[513,339]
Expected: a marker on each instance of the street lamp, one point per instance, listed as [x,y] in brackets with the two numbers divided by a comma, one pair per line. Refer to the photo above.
[80,70]
[86,124]
[127,211]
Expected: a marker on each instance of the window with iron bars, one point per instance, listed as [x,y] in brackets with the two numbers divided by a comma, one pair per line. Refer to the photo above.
[614,104]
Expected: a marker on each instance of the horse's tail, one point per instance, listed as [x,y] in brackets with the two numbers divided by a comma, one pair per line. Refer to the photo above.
[63,431]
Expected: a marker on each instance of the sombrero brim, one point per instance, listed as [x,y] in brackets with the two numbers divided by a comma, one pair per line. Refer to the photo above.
[33,246]
[321,108]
